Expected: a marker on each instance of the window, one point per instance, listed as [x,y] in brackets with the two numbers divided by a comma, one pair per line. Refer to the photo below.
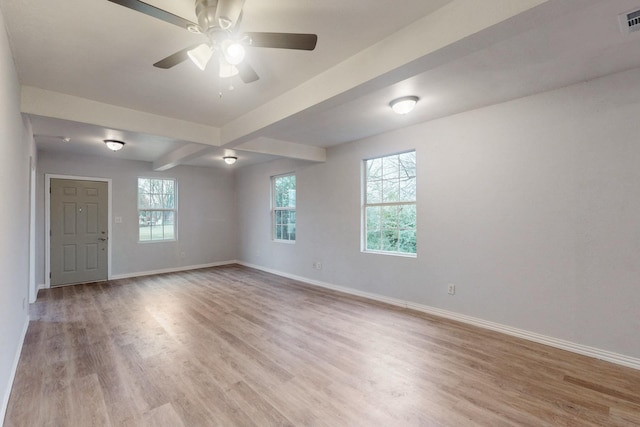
[390,204]
[283,189]
[157,209]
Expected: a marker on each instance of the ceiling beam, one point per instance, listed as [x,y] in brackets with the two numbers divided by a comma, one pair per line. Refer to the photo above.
[284,149]
[179,156]
[58,105]
[373,68]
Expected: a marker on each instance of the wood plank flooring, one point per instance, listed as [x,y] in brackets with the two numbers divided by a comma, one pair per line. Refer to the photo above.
[232,346]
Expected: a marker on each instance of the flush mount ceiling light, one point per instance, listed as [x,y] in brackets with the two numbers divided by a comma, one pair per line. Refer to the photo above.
[404,105]
[229,159]
[114,145]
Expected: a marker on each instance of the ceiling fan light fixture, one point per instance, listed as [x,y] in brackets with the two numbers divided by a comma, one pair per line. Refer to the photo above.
[404,105]
[219,20]
[227,70]
[230,159]
[233,52]
[114,145]
[200,55]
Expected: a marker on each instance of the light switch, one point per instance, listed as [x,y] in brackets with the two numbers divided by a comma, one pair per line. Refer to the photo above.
[118,220]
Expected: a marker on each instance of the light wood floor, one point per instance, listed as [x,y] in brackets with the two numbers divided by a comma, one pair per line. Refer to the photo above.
[232,346]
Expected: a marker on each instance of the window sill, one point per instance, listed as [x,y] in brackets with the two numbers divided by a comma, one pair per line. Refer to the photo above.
[144,242]
[398,254]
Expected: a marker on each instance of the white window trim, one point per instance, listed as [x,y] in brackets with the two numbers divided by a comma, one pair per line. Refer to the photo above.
[287,208]
[363,210]
[174,210]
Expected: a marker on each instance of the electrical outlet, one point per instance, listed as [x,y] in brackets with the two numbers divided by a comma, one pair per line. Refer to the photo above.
[451,289]
[317,265]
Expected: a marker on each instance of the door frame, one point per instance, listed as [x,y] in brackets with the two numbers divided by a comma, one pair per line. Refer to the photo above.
[33,187]
[47,221]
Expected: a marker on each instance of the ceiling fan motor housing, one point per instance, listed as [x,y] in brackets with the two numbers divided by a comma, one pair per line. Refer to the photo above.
[218,14]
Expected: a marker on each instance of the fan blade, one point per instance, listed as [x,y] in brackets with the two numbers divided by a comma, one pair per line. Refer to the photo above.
[283,40]
[247,73]
[175,59]
[154,12]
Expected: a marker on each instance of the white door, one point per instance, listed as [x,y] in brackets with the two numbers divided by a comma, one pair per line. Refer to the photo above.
[79,214]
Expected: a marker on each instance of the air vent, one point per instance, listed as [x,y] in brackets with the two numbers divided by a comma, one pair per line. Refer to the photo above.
[630,21]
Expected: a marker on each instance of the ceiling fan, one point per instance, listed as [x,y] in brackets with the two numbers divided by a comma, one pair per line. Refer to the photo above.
[219,21]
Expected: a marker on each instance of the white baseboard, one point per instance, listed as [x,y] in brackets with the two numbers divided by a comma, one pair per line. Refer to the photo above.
[12,375]
[584,350]
[170,270]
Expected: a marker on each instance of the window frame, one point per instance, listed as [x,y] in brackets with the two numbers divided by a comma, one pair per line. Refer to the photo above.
[366,204]
[275,208]
[174,210]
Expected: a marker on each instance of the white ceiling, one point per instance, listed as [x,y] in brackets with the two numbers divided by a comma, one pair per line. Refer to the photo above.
[96,50]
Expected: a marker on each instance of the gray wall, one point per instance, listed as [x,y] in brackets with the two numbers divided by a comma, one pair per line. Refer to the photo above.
[206,213]
[15,146]
[531,207]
